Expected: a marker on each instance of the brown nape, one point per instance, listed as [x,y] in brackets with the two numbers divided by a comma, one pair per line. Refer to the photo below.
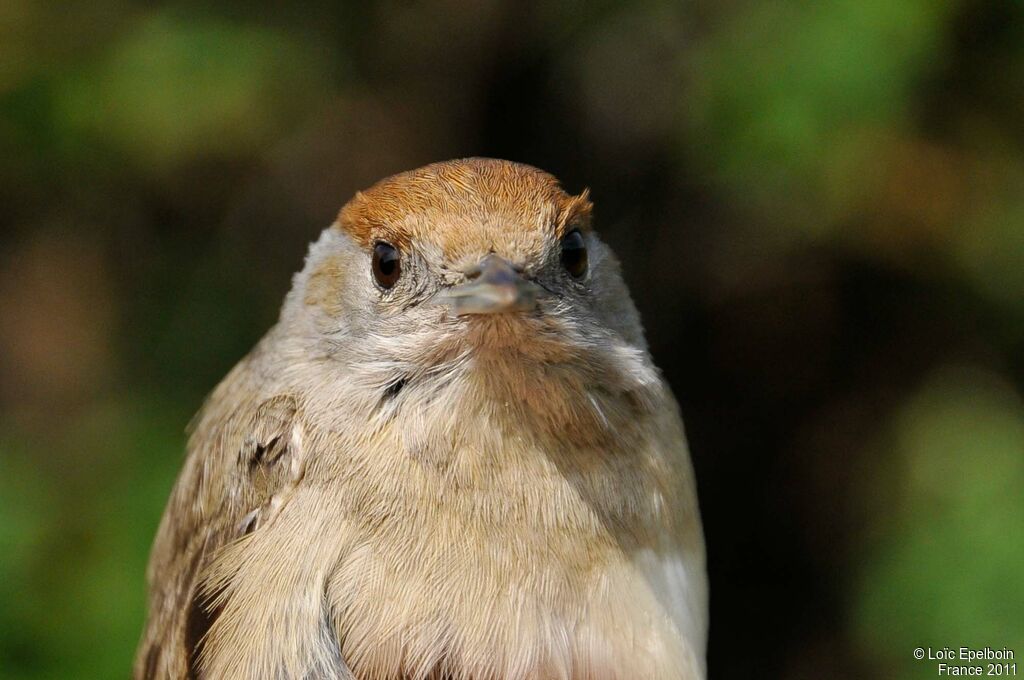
[460,190]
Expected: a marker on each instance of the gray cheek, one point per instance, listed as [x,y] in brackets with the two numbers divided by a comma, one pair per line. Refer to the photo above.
[612,303]
[417,285]
[333,294]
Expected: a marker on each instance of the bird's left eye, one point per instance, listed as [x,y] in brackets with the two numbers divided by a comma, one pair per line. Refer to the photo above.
[387,265]
[574,254]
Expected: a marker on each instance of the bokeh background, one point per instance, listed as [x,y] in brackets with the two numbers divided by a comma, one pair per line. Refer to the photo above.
[819,206]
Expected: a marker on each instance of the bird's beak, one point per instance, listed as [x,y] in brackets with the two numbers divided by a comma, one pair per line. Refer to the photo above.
[494,286]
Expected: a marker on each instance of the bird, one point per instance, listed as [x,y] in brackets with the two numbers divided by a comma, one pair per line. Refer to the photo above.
[452,458]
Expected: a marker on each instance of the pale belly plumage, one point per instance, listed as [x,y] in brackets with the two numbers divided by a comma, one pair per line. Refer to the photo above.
[504,607]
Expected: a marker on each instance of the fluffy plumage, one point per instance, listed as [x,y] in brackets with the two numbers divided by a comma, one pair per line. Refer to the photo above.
[385,490]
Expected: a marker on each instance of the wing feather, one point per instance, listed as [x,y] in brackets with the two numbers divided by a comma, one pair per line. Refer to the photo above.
[243,459]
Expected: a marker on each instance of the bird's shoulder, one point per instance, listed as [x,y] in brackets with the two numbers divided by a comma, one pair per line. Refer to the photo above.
[245,454]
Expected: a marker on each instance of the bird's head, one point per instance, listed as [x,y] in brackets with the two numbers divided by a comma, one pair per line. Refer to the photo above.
[470,264]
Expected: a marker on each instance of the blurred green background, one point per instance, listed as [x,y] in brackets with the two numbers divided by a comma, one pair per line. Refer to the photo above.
[819,206]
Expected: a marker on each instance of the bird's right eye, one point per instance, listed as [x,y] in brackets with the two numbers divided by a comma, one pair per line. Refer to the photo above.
[574,254]
[387,265]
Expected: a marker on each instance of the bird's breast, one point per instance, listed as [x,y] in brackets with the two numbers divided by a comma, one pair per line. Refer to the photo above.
[482,548]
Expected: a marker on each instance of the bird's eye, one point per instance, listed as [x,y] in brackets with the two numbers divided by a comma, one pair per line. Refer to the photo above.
[574,253]
[387,266]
